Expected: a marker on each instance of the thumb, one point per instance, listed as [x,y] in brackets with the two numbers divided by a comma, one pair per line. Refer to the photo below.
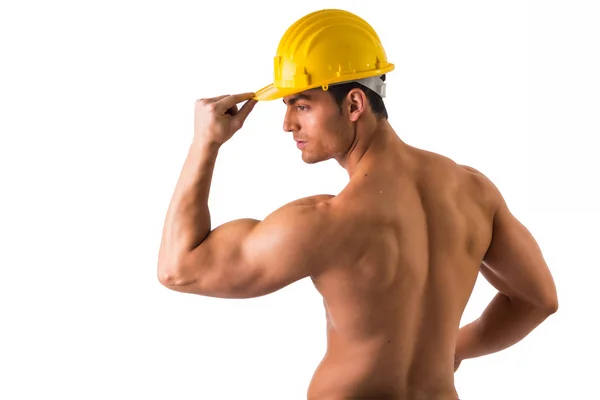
[243,113]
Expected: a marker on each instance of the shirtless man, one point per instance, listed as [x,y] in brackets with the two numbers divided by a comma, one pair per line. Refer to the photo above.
[395,255]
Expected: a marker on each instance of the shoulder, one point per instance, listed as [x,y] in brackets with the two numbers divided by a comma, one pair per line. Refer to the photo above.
[485,187]
[310,210]
[298,220]
[315,226]
[319,200]
[318,220]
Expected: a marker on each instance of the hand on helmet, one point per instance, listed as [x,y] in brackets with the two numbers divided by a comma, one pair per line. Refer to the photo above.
[218,118]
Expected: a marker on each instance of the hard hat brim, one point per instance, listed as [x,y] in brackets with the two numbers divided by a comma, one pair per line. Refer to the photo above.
[270,92]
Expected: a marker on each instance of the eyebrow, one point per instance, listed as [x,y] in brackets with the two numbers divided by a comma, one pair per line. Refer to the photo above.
[296,98]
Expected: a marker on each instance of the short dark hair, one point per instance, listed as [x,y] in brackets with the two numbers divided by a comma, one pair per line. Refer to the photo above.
[339,92]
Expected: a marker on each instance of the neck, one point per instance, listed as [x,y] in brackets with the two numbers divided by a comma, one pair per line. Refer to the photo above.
[370,142]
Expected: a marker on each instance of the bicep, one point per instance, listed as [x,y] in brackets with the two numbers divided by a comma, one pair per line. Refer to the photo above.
[514,263]
[218,264]
[248,258]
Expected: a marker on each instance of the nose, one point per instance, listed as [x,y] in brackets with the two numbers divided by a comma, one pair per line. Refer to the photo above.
[289,124]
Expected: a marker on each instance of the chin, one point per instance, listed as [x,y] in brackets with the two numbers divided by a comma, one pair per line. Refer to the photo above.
[311,159]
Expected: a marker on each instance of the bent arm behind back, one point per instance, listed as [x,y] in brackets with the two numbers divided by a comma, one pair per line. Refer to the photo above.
[514,263]
[515,266]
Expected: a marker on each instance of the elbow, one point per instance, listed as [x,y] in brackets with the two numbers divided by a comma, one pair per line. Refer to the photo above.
[548,305]
[551,303]
[172,274]
[170,279]
[547,301]
[168,276]
[551,306]
[543,307]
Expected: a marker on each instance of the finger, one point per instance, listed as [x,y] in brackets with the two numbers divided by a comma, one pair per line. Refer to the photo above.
[228,102]
[232,111]
[210,100]
[245,111]
[216,99]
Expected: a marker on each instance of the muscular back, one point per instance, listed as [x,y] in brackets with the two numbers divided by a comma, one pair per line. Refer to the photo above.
[419,229]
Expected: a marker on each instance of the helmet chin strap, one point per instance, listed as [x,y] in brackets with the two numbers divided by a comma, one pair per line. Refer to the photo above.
[375,83]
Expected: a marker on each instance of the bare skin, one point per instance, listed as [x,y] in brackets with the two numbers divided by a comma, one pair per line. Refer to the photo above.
[395,255]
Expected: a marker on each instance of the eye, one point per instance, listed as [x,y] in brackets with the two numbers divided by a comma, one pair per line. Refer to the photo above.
[301,108]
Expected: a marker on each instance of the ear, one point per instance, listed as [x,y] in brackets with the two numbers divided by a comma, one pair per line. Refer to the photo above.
[356,103]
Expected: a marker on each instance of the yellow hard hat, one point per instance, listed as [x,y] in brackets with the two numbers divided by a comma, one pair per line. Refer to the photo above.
[327,47]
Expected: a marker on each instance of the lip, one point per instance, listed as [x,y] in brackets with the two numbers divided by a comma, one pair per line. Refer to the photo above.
[300,144]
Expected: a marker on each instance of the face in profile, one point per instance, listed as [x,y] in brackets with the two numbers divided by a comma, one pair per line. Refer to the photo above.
[314,119]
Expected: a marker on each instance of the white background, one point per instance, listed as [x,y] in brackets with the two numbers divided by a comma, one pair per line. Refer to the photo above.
[96,117]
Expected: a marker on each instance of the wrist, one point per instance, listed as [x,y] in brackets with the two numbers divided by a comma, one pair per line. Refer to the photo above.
[205,146]
[467,342]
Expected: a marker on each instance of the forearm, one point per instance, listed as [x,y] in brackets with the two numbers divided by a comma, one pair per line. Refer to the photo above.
[503,323]
[187,223]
